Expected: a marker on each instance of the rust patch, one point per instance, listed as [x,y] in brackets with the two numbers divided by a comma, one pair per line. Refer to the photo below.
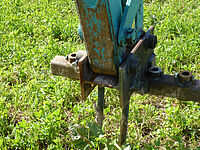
[99,39]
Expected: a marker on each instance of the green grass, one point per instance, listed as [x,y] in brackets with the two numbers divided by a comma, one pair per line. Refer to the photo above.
[39,110]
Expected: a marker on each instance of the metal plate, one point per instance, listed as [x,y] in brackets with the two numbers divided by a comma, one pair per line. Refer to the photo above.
[100,21]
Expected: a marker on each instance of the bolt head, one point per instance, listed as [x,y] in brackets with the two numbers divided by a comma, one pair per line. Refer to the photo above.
[129,30]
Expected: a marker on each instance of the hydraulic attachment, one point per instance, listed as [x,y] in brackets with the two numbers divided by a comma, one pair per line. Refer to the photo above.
[120,54]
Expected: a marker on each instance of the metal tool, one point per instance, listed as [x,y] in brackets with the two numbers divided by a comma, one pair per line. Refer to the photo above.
[121,57]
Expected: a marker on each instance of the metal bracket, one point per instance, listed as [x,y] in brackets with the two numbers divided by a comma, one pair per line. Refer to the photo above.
[132,71]
[86,77]
[132,11]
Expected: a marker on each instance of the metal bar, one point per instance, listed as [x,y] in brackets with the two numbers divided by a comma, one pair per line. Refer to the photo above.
[170,87]
[139,18]
[100,24]
[165,86]
[124,124]
[100,105]
[61,67]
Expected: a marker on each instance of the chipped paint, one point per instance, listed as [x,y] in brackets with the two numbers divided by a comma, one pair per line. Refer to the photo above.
[100,24]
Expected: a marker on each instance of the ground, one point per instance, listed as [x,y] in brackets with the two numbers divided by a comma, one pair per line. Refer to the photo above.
[41,111]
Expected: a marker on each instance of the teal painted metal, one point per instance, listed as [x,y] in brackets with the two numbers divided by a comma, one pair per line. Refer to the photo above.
[100,20]
[80,32]
[107,27]
[123,4]
[106,31]
[132,11]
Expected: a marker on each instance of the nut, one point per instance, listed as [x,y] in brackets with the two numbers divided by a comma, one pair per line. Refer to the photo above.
[72,57]
[155,72]
[185,77]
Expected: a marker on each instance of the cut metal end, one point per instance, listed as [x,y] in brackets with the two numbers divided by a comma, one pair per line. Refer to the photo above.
[67,66]
[61,67]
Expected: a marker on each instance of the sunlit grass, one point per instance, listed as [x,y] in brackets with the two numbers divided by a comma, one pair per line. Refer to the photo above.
[37,109]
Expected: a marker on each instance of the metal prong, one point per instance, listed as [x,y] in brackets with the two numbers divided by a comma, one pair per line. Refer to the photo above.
[124,124]
[100,106]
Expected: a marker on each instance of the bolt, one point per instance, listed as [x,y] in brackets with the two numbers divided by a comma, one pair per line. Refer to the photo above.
[129,30]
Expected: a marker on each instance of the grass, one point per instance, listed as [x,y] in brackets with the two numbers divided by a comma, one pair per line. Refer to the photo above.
[41,111]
